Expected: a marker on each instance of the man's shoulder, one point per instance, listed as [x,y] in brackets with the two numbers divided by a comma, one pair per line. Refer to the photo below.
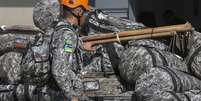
[63,25]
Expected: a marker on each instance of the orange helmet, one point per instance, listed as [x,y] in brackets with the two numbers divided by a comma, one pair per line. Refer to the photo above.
[75,3]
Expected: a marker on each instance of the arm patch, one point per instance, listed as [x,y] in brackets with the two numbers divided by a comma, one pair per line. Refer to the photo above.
[68,46]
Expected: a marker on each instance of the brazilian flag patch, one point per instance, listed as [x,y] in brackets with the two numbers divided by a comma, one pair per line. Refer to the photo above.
[68,47]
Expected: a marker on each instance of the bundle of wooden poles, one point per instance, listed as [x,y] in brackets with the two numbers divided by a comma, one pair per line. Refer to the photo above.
[164,31]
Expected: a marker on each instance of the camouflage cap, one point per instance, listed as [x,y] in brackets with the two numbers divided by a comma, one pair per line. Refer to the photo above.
[46,13]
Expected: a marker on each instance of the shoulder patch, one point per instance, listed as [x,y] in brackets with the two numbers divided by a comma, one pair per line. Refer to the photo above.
[68,46]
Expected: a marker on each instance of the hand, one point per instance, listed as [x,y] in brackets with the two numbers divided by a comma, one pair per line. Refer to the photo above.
[87,46]
[74,99]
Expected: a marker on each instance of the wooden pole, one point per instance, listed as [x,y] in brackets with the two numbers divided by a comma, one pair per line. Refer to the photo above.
[89,44]
[177,28]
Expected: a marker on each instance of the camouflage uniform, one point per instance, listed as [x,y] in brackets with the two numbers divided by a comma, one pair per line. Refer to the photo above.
[65,61]
[158,74]
[106,56]
[46,14]
[193,57]
[135,60]
[25,63]
[99,22]
[192,95]
[157,79]
[29,92]
[13,48]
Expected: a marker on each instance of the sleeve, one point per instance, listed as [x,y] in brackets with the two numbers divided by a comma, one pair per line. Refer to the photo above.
[64,43]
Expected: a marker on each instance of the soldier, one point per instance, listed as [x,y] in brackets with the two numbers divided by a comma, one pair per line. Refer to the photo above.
[25,63]
[66,67]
